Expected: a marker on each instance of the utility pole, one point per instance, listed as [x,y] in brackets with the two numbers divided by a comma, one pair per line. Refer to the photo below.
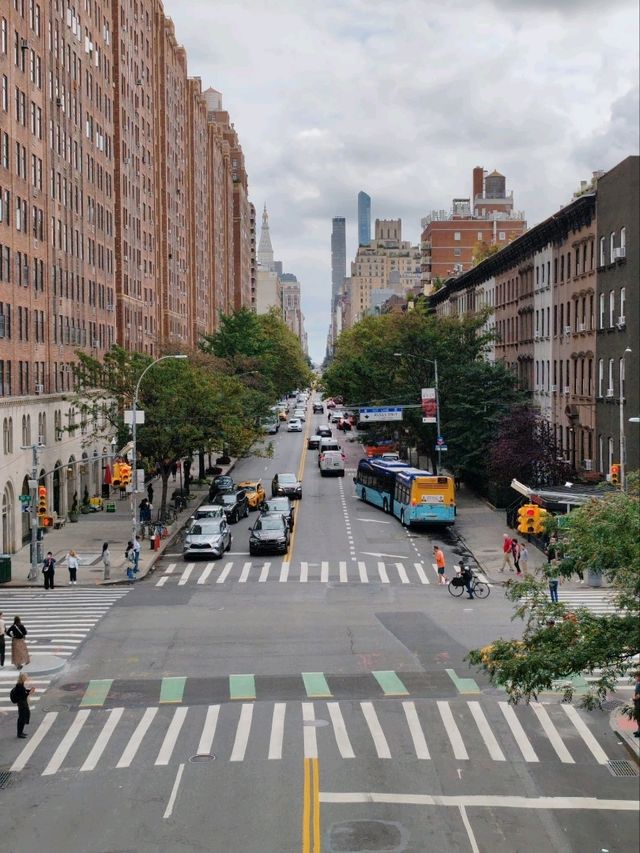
[33,488]
[438,437]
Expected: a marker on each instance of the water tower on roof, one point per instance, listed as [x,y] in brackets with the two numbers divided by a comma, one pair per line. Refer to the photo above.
[495,185]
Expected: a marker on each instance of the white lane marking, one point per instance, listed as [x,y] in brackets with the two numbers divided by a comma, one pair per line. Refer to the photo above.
[174,793]
[309,732]
[343,572]
[242,732]
[171,737]
[170,568]
[524,744]
[66,743]
[420,572]
[186,574]
[482,801]
[304,572]
[362,571]
[324,573]
[224,573]
[264,574]
[244,574]
[208,730]
[103,739]
[552,733]
[340,731]
[467,825]
[382,571]
[284,572]
[372,721]
[417,735]
[485,732]
[277,730]
[452,730]
[402,572]
[135,740]
[205,575]
[21,761]
[373,521]
[587,736]
[377,554]
[162,581]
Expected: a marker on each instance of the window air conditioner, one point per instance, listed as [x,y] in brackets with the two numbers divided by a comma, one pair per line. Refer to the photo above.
[567,389]
[582,327]
[553,389]
[567,330]
[619,253]
[609,392]
[39,389]
[621,322]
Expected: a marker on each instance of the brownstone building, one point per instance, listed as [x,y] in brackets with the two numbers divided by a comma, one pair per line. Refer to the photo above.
[201,314]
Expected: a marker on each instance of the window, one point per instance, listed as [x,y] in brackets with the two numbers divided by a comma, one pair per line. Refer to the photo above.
[601,255]
[612,245]
[610,377]
[502,235]
[601,326]
[457,252]
[600,376]
[623,237]
[456,235]
[623,299]
[621,378]
[479,236]
[610,454]
[612,309]
[4,98]
[601,454]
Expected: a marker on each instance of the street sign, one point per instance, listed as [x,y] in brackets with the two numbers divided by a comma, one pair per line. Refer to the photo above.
[381,413]
[128,417]
[25,499]
[140,482]
[441,448]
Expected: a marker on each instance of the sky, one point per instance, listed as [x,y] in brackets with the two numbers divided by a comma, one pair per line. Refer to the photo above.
[402,98]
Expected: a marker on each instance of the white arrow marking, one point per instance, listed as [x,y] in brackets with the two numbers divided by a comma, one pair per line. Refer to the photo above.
[374,554]
[373,521]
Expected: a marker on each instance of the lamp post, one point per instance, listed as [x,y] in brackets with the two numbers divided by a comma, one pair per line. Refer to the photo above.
[134,438]
[434,362]
[623,448]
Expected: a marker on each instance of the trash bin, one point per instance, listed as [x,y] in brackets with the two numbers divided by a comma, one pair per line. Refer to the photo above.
[5,568]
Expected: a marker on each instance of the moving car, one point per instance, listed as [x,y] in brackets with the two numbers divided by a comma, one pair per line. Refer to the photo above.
[300,414]
[286,484]
[209,537]
[255,492]
[324,430]
[270,532]
[283,414]
[208,511]
[221,483]
[294,425]
[234,504]
[336,415]
[281,505]
[313,442]
[271,427]
[331,462]
[318,409]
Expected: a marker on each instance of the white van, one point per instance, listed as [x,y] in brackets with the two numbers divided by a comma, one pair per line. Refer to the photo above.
[327,444]
[331,462]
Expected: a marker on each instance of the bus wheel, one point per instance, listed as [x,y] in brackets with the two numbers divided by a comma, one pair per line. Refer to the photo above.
[363,495]
[385,506]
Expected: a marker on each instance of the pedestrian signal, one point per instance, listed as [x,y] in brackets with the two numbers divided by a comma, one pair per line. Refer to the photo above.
[46,520]
[42,500]
[116,478]
[614,472]
[527,515]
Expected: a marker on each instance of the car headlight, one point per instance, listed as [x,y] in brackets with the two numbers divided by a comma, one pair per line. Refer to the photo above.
[282,541]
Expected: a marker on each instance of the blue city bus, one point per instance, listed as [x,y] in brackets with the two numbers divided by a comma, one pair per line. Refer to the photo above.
[375,481]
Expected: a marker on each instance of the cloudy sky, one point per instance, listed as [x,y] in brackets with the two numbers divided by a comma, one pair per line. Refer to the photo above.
[402,98]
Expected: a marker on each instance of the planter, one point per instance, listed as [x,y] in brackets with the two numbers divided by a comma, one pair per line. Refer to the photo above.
[594,578]
[73,517]
[85,510]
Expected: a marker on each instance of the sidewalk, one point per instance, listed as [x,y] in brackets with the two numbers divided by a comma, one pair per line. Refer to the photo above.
[624,727]
[87,536]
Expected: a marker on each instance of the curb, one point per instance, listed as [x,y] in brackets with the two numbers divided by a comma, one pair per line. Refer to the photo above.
[631,743]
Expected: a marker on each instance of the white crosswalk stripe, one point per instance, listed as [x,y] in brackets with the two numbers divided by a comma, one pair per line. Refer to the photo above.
[428,730]
[598,601]
[57,621]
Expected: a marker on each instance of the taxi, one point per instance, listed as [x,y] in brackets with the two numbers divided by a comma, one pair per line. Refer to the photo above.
[255,492]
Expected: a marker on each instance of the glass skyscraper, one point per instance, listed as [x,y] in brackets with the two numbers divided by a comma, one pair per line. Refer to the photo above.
[364,219]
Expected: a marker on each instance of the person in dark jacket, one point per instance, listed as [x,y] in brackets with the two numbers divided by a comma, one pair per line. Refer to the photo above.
[20,694]
[19,651]
[467,576]
[49,570]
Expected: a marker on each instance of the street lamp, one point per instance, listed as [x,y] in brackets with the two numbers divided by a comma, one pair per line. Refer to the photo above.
[623,449]
[434,362]
[134,437]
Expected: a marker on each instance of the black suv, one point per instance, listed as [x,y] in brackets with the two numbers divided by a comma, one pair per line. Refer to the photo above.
[221,483]
[287,485]
[234,504]
[269,533]
[318,409]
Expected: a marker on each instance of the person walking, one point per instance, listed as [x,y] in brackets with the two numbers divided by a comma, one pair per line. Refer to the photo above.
[3,629]
[150,493]
[441,565]
[553,590]
[72,565]
[106,562]
[136,554]
[506,553]
[19,651]
[49,570]
[131,559]
[20,696]
[524,558]
[515,554]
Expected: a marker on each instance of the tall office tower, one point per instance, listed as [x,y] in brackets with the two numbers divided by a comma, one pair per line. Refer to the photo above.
[364,219]
[338,255]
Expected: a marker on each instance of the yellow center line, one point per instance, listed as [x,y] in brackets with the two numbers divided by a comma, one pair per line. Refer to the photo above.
[311,806]
[306,807]
[316,805]
[303,458]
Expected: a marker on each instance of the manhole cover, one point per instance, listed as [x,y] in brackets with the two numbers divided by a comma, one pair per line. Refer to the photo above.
[316,723]
[623,768]
[73,686]
[5,778]
[202,756]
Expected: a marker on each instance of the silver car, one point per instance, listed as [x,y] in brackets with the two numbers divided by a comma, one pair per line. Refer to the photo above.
[209,537]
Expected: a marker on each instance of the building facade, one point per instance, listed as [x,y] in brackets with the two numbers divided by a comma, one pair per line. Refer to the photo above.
[364,219]
[338,254]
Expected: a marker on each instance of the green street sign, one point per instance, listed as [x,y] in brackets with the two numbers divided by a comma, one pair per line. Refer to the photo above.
[25,499]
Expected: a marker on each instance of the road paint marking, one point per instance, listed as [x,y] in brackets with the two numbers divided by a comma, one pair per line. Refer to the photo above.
[170,568]
[186,574]
[277,731]
[66,743]
[208,730]
[242,687]
[382,571]
[524,744]
[284,572]
[311,806]
[462,685]
[552,733]
[421,574]
[390,683]
[376,554]
[174,793]
[343,572]
[316,685]
[35,741]
[485,732]
[171,737]
[481,801]
[453,732]
[372,721]
[242,733]
[402,573]
[309,732]
[96,693]
[415,729]
[304,572]
[264,574]
[162,581]
[224,573]
[205,575]
[467,825]
[136,738]
[362,571]
[324,573]
[103,739]
[587,736]
[244,574]
[340,731]
[172,689]
[373,521]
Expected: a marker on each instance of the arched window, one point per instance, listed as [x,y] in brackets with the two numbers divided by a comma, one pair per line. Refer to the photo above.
[602,310]
[601,258]
[612,245]
[610,454]
[610,388]
[600,376]
[24,430]
[621,378]
[601,454]
[623,301]
[623,237]
[5,436]
[612,308]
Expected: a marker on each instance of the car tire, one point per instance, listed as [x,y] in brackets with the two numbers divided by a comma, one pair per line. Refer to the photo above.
[342,473]
[235,518]
[322,473]
[252,551]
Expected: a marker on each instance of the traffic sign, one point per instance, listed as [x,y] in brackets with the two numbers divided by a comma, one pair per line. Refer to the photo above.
[381,413]
[25,499]
[441,448]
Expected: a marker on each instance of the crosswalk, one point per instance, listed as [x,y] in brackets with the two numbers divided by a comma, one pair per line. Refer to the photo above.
[56,621]
[424,730]
[598,601]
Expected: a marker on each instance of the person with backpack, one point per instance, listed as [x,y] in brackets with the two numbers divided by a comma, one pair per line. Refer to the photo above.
[19,695]
[19,651]
[515,554]
[49,570]
[467,577]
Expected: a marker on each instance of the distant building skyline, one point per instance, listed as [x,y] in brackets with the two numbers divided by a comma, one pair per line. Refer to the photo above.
[338,255]
[364,219]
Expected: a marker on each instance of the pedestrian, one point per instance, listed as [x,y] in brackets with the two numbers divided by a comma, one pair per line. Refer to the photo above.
[553,590]
[506,553]
[19,651]
[467,576]
[106,561]
[174,470]
[440,564]
[2,640]
[150,493]
[20,696]
[515,554]
[524,558]
[145,512]
[49,570]
[72,565]
[130,555]
[136,554]
[636,704]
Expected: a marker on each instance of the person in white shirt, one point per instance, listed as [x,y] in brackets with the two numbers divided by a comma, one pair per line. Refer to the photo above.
[72,565]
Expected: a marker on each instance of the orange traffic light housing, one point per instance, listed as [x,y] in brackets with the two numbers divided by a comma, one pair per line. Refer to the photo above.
[42,500]
[527,516]
[117,476]
[125,474]
[614,473]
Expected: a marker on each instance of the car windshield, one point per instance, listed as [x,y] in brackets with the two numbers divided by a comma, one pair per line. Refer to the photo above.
[278,504]
[268,523]
[211,528]
[250,487]
[209,512]
[287,479]
[226,499]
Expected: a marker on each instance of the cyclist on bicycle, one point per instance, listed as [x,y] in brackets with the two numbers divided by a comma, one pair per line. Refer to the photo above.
[467,576]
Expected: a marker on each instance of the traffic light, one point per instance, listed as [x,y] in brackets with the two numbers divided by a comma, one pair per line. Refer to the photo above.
[42,500]
[125,474]
[527,516]
[46,520]
[116,478]
[614,472]
[540,520]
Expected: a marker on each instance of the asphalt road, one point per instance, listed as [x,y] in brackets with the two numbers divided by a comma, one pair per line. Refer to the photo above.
[316,701]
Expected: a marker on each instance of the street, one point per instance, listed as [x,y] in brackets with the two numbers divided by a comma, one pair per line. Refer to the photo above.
[319,700]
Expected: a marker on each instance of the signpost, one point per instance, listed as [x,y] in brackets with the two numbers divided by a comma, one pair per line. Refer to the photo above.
[381,413]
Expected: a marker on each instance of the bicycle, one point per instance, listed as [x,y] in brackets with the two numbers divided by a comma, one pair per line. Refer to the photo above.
[479,588]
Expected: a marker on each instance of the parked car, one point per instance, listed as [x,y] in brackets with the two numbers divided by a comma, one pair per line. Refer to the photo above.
[286,484]
[331,462]
[208,511]
[336,415]
[221,483]
[318,409]
[294,425]
[271,427]
[325,431]
[313,442]
[283,414]
[208,537]
[234,504]
[255,492]
[300,414]
[281,505]
[270,532]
